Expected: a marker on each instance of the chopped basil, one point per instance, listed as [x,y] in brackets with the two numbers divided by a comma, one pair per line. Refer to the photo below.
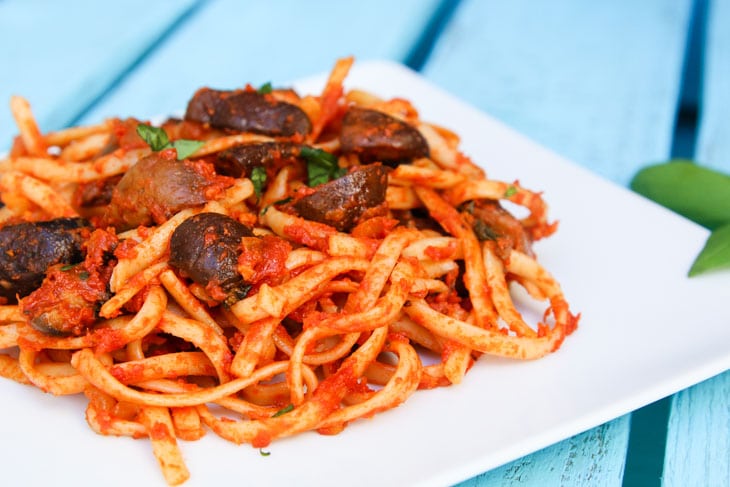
[237,294]
[185,148]
[157,139]
[264,453]
[258,178]
[321,166]
[277,202]
[484,231]
[510,191]
[83,275]
[68,267]
[283,411]
[265,88]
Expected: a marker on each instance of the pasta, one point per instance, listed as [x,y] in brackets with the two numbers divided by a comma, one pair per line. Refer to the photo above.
[270,264]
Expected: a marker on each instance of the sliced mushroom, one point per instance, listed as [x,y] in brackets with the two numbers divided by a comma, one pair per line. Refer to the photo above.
[28,249]
[377,136]
[205,248]
[247,111]
[240,160]
[154,189]
[341,202]
[68,301]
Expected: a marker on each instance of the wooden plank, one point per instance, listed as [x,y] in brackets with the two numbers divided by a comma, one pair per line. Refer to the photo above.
[698,438]
[596,83]
[713,143]
[230,43]
[63,55]
[564,463]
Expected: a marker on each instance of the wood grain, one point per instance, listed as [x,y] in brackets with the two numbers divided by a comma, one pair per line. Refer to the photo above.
[596,83]
[698,431]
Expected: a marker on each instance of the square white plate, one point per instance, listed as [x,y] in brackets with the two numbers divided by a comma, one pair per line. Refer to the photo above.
[646,331]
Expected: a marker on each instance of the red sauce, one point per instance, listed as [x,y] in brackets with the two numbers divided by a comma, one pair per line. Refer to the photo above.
[441,253]
[311,234]
[159,431]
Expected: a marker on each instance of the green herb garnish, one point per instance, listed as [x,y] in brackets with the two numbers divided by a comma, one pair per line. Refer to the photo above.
[258,178]
[322,166]
[68,267]
[283,411]
[484,231]
[510,191]
[157,139]
[282,201]
[698,193]
[265,88]
[264,453]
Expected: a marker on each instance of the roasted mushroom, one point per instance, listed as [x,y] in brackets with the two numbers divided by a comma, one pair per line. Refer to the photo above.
[377,136]
[154,189]
[240,160]
[247,111]
[205,248]
[68,301]
[28,249]
[341,202]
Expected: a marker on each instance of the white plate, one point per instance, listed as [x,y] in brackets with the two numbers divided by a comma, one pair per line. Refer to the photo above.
[646,331]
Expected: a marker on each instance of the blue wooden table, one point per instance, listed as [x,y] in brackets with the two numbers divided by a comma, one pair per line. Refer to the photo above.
[612,85]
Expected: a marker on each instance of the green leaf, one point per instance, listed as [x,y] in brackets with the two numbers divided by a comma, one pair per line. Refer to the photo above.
[155,137]
[265,88]
[264,453]
[283,411]
[483,231]
[321,166]
[715,254]
[185,148]
[258,178]
[510,191]
[696,192]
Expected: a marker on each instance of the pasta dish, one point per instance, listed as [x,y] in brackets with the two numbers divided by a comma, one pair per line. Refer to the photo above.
[267,264]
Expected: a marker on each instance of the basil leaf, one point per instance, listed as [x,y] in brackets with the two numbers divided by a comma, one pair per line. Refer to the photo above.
[277,202]
[321,166]
[283,411]
[696,192]
[264,453]
[185,148]
[155,137]
[484,231]
[258,178]
[510,191]
[715,254]
[265,88]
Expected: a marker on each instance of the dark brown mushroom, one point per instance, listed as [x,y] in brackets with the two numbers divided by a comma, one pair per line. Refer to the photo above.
[153,190]
[247,111]
[240,160]
[205,248]
[377,136]
[341,202]
[28,249]
[68,300]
